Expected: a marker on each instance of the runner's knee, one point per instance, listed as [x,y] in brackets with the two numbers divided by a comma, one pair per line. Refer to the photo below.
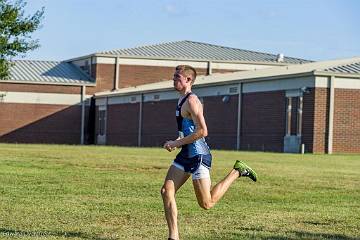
[167,191]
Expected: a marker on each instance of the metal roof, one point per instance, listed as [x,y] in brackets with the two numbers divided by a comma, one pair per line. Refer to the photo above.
[353,68]
[31,71]
[190,50]
[313,68]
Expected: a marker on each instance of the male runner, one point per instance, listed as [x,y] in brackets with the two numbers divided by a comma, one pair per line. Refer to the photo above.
[194,157]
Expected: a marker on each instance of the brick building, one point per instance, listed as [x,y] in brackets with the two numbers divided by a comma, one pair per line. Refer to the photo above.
[274,109]
[44,102]
[49,102]
[266,102]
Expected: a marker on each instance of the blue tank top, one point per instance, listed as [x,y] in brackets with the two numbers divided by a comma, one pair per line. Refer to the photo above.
[187,127]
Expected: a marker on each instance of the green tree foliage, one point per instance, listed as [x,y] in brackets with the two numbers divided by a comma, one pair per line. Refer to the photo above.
[15,30]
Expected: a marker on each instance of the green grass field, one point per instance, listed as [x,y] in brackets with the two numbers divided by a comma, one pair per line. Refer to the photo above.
[93,192]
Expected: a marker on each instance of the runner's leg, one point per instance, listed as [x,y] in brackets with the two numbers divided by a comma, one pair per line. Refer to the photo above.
[174,180]
[207,197]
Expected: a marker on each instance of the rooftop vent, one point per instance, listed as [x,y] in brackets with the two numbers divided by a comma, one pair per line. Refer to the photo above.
[280,57]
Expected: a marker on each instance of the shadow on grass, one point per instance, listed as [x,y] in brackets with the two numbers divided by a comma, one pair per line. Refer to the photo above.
[19,233]
[301,235]
[325,236]
[295,235]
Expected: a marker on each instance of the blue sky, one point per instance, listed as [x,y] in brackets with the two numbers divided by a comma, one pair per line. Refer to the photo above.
[310,29]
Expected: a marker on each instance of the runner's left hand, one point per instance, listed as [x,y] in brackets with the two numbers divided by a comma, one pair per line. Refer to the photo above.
[170,146]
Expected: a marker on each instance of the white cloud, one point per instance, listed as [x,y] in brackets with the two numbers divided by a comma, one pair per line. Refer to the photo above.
[169,8]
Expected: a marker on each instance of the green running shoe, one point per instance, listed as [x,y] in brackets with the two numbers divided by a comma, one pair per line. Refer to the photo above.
[245,170]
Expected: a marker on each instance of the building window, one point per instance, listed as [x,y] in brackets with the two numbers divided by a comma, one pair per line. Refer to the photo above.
[133,99]
[288,115]
[86,67]
[233,90]
[102,122]
[294,114]
[157,97]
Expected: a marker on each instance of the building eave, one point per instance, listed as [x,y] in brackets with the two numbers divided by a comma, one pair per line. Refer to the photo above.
[192,59]
[228,82]
[180,59]
[80,58]
[336,74]
[47,83]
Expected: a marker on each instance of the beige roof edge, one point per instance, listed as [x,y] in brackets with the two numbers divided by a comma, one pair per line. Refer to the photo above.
[313,68]
[116,93]
[48,83]
[140,90]
[79,58]
[194,59]
[180,59]
[336,74]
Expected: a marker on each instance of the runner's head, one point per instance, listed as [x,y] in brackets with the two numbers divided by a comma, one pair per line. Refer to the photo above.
[185,71]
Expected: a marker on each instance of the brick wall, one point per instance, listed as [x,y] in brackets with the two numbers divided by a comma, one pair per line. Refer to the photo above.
[221,119]
[346,133]
[159,122]
[122,124]
[40,123]
[104,74]
[262,130]
[133,75]
[263,121]
[321,113]
[37,123]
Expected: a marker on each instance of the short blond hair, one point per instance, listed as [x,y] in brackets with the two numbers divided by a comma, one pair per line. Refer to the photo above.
[188,70]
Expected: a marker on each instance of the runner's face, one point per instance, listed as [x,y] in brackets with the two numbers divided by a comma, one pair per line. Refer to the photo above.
[180,81]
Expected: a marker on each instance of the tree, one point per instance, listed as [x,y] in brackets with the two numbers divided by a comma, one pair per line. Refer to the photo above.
[15,30]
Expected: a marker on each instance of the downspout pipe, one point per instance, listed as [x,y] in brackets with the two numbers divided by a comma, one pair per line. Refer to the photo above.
[116,80]
[140,119]
[209,67]
[82,130]
[331,115]
[238,132]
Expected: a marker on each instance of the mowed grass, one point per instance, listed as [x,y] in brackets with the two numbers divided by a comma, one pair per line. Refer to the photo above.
[94,192]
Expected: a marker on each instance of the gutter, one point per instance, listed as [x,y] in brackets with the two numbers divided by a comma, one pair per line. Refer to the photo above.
[197,59]
[336,74]
[272,63]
